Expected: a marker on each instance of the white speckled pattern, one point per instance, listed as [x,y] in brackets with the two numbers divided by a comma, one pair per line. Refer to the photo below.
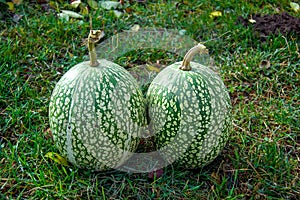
[190,114]
[96,114]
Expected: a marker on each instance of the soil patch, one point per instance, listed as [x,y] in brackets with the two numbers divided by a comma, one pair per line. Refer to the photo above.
[265,25]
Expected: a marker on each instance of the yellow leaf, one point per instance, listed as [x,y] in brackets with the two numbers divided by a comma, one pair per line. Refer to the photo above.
[84,11]
[57,158]
[153,68]
[54,4]
[295,6]
[215,14]
[71,55]
[11,6]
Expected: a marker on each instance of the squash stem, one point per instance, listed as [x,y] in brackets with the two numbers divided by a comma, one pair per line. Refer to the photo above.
[199,48]
[94,36]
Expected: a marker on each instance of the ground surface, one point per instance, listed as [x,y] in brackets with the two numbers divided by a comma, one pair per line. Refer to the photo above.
[259,68]
[266,25]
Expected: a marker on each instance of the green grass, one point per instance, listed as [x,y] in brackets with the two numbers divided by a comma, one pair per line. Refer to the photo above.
[261,160]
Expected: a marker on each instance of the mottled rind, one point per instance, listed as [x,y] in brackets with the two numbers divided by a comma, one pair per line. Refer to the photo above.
[190,114]
[96,115]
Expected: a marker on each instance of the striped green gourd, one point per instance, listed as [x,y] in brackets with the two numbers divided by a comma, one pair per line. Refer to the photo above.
[189,108]
[96,113]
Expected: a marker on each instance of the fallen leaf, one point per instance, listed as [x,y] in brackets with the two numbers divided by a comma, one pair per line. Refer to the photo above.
[75,4]
[117,13]
[93,4]
[70,54]
[84,10]
[216,177]
[108,5]
[54,4]
[63,16]
[265,64]
[182,32]
[295,6]
[57,158]
[48,134]
[252,21]
[128,10]
[135,28]
[153,68]
[11,6]
[72,14]
[215,14]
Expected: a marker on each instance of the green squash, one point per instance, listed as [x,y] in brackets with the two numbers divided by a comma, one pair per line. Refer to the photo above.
[189,108]
[96,113]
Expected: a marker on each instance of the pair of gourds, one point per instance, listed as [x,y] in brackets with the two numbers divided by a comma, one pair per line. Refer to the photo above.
[97,112]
